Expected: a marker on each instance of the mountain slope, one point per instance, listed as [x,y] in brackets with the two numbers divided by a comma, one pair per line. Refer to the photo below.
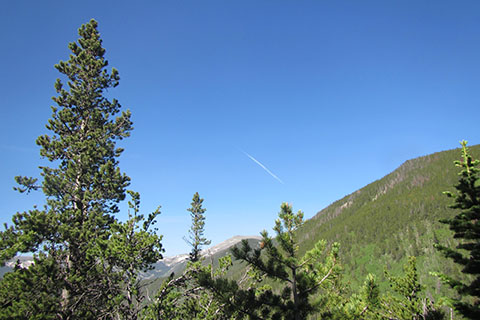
[176,264]
[381,224]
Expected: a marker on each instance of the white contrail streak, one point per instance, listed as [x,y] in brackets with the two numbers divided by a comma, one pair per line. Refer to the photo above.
[263,167]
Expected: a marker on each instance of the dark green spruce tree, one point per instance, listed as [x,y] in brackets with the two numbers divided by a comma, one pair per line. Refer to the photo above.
[196,238]
[86,261]
[466,229]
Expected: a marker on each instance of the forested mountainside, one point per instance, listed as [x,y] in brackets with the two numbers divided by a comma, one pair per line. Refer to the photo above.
[394,217]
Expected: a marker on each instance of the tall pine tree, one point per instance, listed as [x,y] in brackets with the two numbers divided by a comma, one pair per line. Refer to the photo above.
[466,228]
[83,254]
[196,238]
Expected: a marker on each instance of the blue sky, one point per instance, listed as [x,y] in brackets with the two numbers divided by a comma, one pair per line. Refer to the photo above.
[328,95]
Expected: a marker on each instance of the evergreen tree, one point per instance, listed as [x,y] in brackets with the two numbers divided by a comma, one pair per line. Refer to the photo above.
[184,297]
[407,303]
[300,278]
[196,237]
[86,261]
[363,305]
[466,228]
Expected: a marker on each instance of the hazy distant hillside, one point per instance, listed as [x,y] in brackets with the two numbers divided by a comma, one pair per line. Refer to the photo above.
[391,218]
[177,264]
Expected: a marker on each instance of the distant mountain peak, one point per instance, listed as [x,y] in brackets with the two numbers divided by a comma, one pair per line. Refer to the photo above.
[227,244]
[176,264]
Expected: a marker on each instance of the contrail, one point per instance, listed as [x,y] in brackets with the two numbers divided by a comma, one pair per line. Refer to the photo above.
[263,167]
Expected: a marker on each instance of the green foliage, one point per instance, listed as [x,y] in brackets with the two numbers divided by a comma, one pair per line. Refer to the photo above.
[185,298]
[408,303]
[195,235]
[466,227]
[366,304]
[86,261]
[404,301]
[31,293]
[131,248]
[408,288]
[298,278]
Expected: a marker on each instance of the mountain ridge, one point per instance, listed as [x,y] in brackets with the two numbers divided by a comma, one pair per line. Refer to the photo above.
[379,225]
[177,263]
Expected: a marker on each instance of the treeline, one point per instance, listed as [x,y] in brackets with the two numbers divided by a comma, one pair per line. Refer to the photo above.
[87,263]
